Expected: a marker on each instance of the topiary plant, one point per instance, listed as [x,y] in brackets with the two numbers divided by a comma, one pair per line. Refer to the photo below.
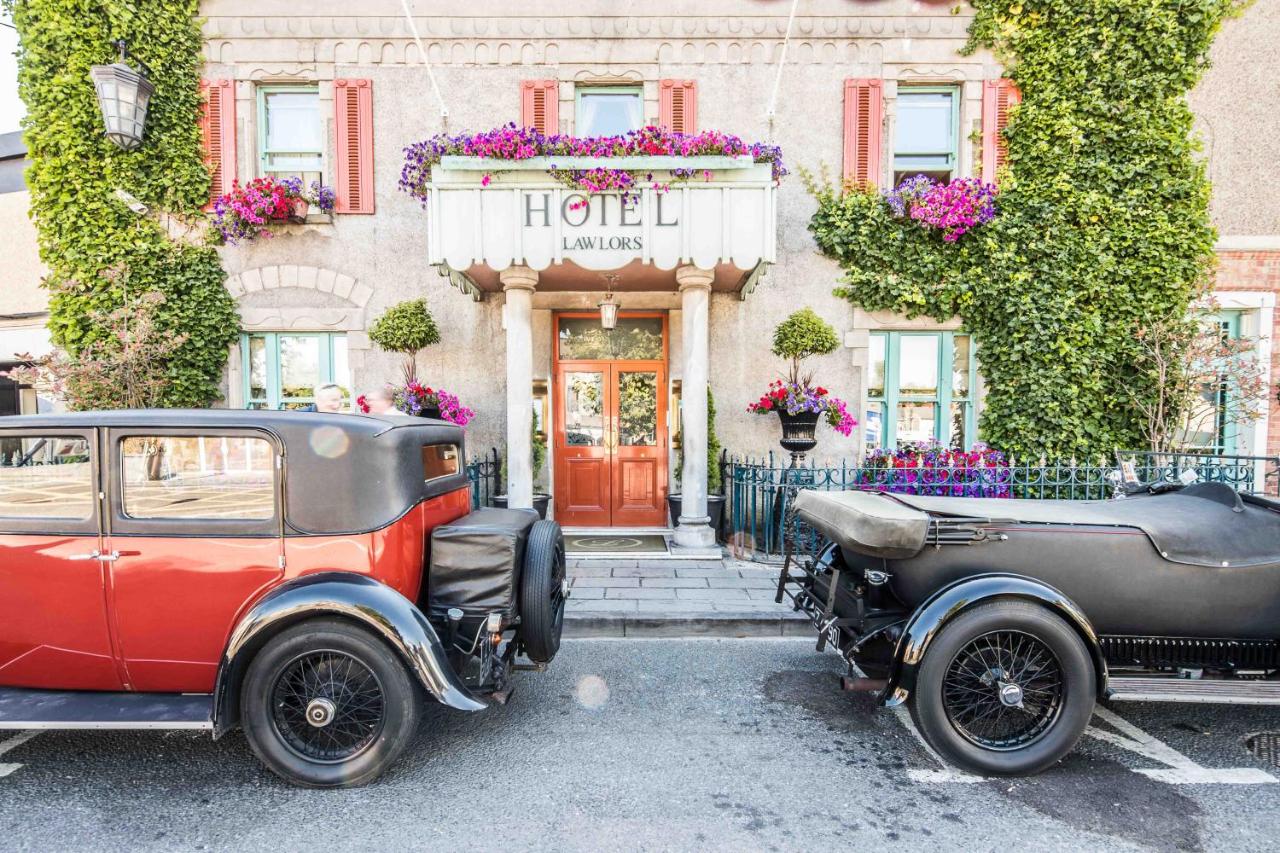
[801,335]
[406,328]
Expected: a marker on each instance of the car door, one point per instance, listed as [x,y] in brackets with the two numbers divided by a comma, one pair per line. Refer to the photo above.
[193,536]
[53,616]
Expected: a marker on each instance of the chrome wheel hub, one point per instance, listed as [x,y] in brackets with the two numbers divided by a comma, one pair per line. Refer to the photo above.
[320,712]
[1010,695]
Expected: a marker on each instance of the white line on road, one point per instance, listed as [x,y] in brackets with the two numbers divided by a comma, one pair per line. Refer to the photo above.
[17,740]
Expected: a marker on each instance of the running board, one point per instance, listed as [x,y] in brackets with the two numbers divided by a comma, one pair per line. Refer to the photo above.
[83,709]
[1225,691]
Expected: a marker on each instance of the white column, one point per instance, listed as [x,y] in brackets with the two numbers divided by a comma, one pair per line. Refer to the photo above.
[518,283]
[694,529]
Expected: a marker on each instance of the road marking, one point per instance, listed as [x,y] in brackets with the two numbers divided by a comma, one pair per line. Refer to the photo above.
[17,740]
[1179,769]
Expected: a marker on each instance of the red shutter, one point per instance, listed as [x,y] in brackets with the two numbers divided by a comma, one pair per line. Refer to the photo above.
[997,97]
[540,105]
[678,106]
[218,132]
[863,110]
[353,128]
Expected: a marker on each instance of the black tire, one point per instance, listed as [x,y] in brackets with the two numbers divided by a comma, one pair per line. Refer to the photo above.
[961,701]
[373,704]
[542,592]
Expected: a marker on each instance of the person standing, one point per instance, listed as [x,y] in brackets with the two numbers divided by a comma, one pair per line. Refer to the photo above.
[380,401]
[328,399]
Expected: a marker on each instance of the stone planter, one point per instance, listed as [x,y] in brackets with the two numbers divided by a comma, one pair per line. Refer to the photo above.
[541,502]
[715,509]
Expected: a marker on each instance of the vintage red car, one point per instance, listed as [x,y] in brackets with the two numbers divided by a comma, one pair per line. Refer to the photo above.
[312,579]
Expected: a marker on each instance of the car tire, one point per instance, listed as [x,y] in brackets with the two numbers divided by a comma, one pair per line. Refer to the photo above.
[327,704]
[542,594]
[961,703]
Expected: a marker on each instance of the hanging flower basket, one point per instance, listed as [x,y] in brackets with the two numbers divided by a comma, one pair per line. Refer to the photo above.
[249,212]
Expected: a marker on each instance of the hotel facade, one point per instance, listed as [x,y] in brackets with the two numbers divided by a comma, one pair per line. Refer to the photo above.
[515,266]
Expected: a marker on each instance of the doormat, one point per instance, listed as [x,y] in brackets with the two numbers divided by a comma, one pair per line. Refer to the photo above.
[615,543]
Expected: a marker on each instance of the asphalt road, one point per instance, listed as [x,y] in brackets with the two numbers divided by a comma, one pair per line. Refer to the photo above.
[657,745]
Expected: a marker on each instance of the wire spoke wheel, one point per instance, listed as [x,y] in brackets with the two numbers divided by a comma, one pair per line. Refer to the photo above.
[327,706]
[1003,690]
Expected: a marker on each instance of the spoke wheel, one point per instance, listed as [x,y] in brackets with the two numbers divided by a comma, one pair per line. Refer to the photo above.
[1003,690]
[327,706]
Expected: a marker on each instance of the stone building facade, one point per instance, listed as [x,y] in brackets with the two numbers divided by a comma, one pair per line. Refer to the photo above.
[358,81]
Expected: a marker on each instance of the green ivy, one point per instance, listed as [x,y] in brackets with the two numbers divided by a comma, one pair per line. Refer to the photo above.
[1102,219]
[74,171]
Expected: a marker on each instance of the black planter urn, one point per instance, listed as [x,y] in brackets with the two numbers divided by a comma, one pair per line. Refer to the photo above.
[432,412]
[715,509]
[799,433]
[541,502]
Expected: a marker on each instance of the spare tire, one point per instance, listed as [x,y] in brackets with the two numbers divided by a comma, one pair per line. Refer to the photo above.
[542,592]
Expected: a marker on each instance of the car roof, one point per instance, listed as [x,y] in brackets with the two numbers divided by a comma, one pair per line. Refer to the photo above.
[344,473]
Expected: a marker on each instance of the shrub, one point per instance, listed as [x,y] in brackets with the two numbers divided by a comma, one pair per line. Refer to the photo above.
[801,335]
[406,328]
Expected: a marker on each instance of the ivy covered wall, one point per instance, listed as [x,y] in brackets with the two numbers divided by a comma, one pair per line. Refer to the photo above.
[1102,219]
[83,228]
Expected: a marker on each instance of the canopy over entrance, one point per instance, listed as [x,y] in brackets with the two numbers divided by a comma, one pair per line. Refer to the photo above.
[486,216]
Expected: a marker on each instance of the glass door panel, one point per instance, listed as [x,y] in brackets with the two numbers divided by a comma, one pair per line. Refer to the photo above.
[638,408]
[584,419]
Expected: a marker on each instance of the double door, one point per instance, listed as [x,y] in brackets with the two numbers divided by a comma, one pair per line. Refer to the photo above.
[611,443]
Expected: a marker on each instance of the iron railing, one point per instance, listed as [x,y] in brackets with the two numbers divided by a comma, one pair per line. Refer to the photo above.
[483,472]
[759,489]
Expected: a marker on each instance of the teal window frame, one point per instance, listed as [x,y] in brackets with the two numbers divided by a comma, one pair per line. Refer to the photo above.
[275,398]
[1227,432]
[264,154]
[579,91]
[953,150]
[892,396]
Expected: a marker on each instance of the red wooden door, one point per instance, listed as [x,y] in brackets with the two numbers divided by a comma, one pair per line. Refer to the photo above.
[610,421]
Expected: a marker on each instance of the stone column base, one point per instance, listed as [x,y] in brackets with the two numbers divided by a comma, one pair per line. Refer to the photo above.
[694,533]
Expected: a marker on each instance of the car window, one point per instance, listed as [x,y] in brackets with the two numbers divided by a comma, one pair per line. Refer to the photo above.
[197,476]
[439,460]
[45,476]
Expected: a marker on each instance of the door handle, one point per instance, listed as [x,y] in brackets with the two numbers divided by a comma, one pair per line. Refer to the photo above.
[115,555]
[92,555]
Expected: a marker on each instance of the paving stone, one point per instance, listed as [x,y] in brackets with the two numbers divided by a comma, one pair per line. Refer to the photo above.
[599,606]
[713,594]
[589,582]
[589,625]
[592,562]
[586,592]
[681,607]
[752,605]
[644,572]
[674,583]
[634,594]
[698,625]
[740,583]
[590,571]
[720,572]
[766,594]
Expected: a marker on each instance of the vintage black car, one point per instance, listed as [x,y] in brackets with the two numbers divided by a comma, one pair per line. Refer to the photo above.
[312,579]
[1001,622]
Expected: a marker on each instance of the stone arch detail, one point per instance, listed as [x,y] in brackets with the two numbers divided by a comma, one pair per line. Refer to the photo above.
[348,318]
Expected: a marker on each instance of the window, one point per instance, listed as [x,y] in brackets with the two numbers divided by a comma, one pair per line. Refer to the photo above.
[204,476]
[282,369]
[920,387]
[1209,427]
[439,460]
[290,138]
[608,110]
[45,476]
[925,138]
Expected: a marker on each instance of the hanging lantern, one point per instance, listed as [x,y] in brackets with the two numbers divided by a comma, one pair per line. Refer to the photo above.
[609,307]
[123,97]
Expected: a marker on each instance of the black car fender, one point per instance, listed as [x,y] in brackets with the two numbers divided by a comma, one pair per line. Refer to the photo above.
[361,599]
[952,600]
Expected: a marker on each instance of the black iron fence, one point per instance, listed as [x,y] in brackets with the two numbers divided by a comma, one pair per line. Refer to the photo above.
[484,471]
[758,489]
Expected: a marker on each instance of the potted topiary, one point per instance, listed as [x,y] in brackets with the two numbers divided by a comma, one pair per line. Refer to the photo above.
[798,402]
[537,458]
[406,328]
[715,500]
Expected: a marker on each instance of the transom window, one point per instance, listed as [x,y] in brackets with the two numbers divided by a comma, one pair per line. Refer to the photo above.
[608,110]
[925,138]
[282,369]
[921,387]
[290,136]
